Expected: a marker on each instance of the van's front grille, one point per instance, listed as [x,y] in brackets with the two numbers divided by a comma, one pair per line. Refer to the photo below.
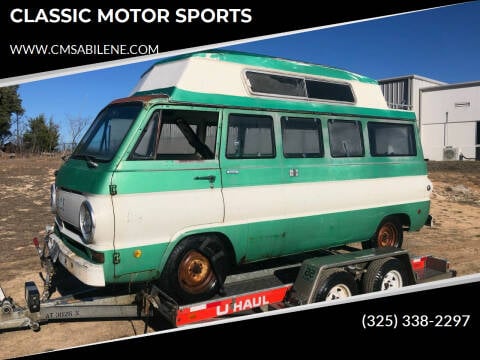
[71,242]
[64,224]
[75,244]
[72,228]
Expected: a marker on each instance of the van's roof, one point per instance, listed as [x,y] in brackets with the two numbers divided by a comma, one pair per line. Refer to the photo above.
[273,63]
[218,78]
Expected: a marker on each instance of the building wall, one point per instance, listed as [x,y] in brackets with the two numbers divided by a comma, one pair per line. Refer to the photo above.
[404,92]
[450,116]
[417,84]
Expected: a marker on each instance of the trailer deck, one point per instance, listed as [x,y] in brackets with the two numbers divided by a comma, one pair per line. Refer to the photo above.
[266,289]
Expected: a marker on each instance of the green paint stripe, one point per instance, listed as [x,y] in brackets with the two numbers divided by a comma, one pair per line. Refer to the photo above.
[146,266]
[257,240]
[145,181]
[251,103]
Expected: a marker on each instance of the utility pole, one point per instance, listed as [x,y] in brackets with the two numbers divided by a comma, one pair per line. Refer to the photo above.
[18,132]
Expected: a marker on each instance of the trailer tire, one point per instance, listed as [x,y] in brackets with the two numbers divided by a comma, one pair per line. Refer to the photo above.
[336,284]
[189,274]
[389,234]
[385,274]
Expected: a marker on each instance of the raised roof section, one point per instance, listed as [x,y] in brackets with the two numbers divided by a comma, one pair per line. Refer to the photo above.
[229,74]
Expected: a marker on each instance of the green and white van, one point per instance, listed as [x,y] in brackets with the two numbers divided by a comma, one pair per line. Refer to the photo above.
[219,159]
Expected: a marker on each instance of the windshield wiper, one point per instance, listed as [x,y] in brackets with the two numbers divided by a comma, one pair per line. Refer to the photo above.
[90,163]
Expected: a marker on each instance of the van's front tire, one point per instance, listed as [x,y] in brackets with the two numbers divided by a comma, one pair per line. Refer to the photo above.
[195,270]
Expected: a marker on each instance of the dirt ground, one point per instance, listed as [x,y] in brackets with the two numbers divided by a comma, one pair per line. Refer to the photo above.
[24,212]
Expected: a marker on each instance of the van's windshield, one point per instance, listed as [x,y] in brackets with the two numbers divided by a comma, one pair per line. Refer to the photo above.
[105,135]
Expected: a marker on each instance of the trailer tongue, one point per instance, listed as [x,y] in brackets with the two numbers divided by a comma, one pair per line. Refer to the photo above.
[341,273]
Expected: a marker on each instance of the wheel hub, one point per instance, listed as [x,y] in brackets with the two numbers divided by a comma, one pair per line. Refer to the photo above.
[392,280]
[195,272]
[339,291]
[387,236]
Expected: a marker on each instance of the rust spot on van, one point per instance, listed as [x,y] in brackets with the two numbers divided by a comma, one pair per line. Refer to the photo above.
[142,98]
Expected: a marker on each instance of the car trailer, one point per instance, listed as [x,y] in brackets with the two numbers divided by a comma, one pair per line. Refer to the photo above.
[343,272]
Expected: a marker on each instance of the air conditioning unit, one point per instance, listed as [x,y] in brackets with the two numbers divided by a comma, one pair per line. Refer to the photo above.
[451,153]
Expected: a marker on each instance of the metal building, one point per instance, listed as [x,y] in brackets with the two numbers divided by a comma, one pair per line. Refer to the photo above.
[404,92]
[449,120]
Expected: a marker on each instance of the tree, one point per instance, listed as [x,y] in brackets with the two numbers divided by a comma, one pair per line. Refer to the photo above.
[41,136]
[77,125]
[10,103]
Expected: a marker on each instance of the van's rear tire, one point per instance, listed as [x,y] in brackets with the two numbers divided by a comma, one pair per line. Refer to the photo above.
[336,284]
[389,234]
[195,270]
[385,274]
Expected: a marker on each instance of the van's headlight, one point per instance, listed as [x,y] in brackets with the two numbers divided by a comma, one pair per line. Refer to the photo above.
[87,221]
[53,198]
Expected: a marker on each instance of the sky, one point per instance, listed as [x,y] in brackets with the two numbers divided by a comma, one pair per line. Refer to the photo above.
[441,44]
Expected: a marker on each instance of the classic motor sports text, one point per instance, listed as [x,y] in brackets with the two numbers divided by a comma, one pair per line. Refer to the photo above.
[148,16]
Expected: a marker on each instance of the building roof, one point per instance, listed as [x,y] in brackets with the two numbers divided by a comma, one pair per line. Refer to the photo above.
[412,76]
[452,86]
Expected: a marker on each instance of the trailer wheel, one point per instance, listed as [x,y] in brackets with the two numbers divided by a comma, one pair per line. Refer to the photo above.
[385,274]
[195,270]
[389,234]
[336,284]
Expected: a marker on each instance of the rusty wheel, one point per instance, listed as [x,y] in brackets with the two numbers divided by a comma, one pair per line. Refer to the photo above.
[195,273]
[196,269]
[389,234]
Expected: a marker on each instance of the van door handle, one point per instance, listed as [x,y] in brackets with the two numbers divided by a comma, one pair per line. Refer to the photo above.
[210,178]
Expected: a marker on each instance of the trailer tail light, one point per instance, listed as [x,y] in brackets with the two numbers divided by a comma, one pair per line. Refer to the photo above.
[37,246]
[418,263]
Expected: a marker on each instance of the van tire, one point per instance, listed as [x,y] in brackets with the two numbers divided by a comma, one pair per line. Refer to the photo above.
[195,270]
[389,234]
[336,284]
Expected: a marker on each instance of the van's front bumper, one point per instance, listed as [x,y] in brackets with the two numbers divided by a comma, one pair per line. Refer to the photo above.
[86,271]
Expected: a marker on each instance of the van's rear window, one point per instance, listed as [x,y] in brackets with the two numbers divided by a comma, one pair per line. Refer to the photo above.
[387,139]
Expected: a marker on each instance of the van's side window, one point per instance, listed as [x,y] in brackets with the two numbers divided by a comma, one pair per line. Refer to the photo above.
[302,137]
[250,136]
[178,135]
[390,139]
[346,138]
